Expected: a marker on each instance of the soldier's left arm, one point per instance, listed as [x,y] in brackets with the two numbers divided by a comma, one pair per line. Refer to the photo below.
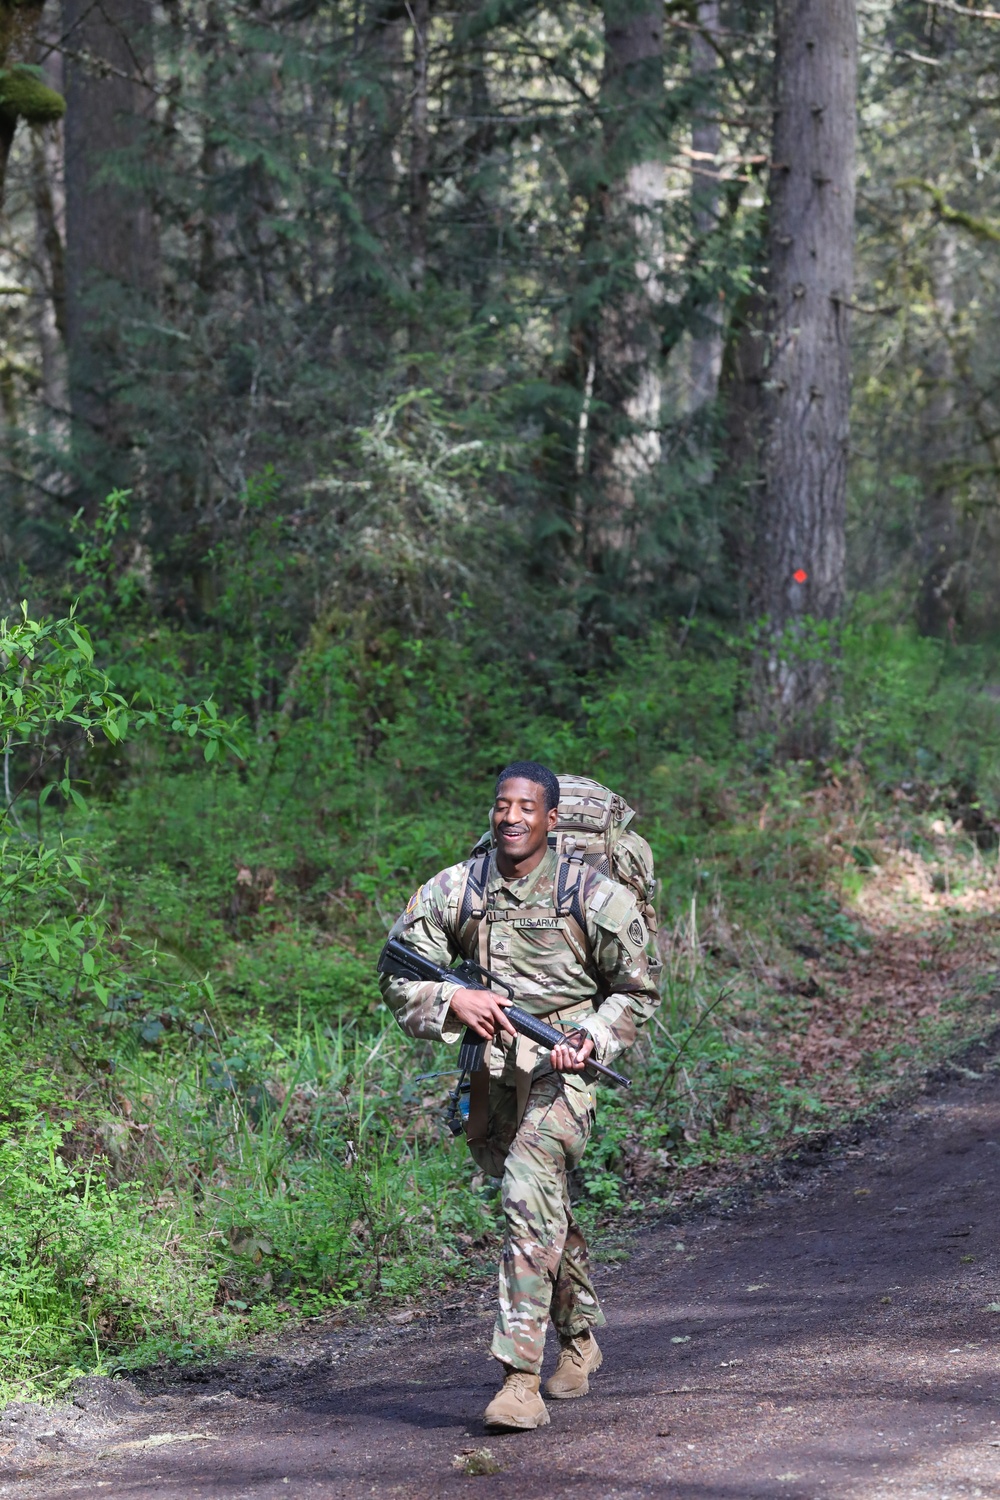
[618,938]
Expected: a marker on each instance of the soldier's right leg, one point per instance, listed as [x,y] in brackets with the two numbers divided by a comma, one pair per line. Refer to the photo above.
[518,1405]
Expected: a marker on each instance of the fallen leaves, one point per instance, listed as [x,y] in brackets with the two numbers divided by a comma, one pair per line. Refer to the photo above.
[846,1043]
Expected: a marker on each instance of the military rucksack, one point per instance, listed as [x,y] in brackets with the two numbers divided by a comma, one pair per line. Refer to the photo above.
[596,822]
[594,828]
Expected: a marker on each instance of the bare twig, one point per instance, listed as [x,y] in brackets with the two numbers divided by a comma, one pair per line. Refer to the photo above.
[917,57]
[962,10]
[723,994]
[7,793]
[872,312]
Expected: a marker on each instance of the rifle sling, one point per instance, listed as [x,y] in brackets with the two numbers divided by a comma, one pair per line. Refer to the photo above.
[477,1125]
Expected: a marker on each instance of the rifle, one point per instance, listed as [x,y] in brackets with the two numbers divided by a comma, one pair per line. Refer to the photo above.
[403,962]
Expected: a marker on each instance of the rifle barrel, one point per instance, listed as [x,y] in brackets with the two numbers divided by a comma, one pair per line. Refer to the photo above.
[404,962]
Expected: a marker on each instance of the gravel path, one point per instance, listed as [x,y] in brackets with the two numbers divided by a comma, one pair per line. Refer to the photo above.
[831,1338]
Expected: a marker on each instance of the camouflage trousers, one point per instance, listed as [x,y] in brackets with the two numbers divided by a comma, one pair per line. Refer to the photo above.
[544,1269]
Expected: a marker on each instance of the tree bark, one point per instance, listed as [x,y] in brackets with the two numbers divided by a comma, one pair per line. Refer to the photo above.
[50,243]
[212,48]
[941,583]
[380,122]
[111,250]
[625,415]
[741,392]
[706,143]
[800,543]
[419,145]
[52,262]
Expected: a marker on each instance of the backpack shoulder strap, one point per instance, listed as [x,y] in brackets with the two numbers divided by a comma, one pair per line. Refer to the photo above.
[472,903]
[571,880]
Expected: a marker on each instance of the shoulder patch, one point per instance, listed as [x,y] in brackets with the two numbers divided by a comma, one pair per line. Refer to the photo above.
[616,910]
[416,906]
[435,898]
[414,901]
[637,933]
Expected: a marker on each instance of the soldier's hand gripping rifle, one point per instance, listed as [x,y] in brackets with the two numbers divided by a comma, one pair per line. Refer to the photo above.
[403,962]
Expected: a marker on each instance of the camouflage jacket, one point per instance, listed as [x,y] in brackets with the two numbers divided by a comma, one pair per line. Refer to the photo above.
[609,990]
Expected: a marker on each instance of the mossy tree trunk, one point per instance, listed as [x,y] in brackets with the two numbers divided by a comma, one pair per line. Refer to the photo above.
[22,95]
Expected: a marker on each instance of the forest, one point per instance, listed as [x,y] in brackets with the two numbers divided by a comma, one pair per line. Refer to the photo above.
[390,390]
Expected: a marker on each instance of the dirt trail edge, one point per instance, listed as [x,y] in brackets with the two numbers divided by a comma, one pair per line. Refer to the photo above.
[834,1338]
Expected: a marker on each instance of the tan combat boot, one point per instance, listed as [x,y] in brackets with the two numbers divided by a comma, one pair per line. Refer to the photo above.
[578,1358]
[518,1405]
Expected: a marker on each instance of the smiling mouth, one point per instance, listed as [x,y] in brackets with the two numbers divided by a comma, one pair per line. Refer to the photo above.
[509,834]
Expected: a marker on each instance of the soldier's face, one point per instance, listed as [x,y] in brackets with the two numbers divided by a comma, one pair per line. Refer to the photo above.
[522,824]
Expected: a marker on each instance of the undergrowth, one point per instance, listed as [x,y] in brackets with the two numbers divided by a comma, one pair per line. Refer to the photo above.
[208,1124]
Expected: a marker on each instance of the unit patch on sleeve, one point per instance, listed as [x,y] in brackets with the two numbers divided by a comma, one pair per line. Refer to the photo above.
[416,907]
[411,905]
[636,932]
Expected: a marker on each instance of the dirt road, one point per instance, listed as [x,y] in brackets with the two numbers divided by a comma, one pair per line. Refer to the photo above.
[832,1338]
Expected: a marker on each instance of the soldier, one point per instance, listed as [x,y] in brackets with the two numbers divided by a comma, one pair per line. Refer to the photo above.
[571,942]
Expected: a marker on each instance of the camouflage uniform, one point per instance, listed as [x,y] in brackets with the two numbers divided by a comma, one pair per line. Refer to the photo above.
[539,1121]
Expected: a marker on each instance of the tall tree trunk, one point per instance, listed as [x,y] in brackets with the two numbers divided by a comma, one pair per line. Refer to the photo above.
[627,376]
[111,256]
[212,51]
[939,603]
[706,143]
[370,268]
[741,393]
[419,145]
[51,255]
[379,121]
[800,545]
[50,244]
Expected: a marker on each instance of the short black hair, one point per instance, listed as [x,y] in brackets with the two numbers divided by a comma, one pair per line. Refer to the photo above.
[531,770]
